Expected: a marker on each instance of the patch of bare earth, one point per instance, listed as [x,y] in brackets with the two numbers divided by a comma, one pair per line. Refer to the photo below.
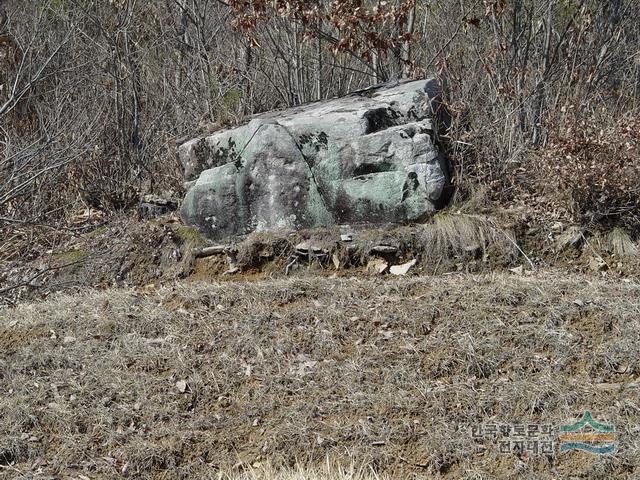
[206,380]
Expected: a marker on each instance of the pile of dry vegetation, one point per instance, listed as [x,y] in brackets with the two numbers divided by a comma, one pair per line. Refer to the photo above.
[201,380]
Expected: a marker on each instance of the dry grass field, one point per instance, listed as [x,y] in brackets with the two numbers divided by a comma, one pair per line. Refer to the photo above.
[316,378]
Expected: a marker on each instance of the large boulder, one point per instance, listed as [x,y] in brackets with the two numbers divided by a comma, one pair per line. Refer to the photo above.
[368,158]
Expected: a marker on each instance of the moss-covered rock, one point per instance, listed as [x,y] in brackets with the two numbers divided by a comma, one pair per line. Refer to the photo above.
[366,158]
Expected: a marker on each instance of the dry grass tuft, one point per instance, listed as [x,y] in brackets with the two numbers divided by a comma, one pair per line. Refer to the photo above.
[459,234]
[622,246]
[326,472]
[478,200]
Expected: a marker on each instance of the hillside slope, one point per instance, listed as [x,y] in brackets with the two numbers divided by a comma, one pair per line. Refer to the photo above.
[195,379]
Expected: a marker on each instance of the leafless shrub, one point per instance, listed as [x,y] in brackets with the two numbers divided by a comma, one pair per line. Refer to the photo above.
[95,95]
[597,168]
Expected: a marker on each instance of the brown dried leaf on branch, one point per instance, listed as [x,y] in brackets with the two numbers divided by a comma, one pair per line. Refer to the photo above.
[597,169]
[379,26]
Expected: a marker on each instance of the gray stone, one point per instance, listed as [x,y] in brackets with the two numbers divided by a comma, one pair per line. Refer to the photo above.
[153,207]
[368,158]
[384,249]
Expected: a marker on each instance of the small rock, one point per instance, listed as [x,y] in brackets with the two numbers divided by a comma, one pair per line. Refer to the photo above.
[623,368]
[557,227]
[579,303]
[211,250]
[517,270]
[154,207]
[346,237]
[68,339]
[304,248]
[384,249]
[377,265]
[402,269]
[181,385]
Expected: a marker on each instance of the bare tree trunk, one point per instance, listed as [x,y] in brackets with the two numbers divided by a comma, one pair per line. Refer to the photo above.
[406,48]
[248,60]
[376,70]
[540,102]
[319,65]
[183,36]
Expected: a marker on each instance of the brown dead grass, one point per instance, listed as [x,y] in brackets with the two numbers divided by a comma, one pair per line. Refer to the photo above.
[324,472]
[384,374]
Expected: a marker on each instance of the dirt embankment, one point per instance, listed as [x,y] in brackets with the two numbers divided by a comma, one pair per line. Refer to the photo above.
[129,252]
[194,379]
